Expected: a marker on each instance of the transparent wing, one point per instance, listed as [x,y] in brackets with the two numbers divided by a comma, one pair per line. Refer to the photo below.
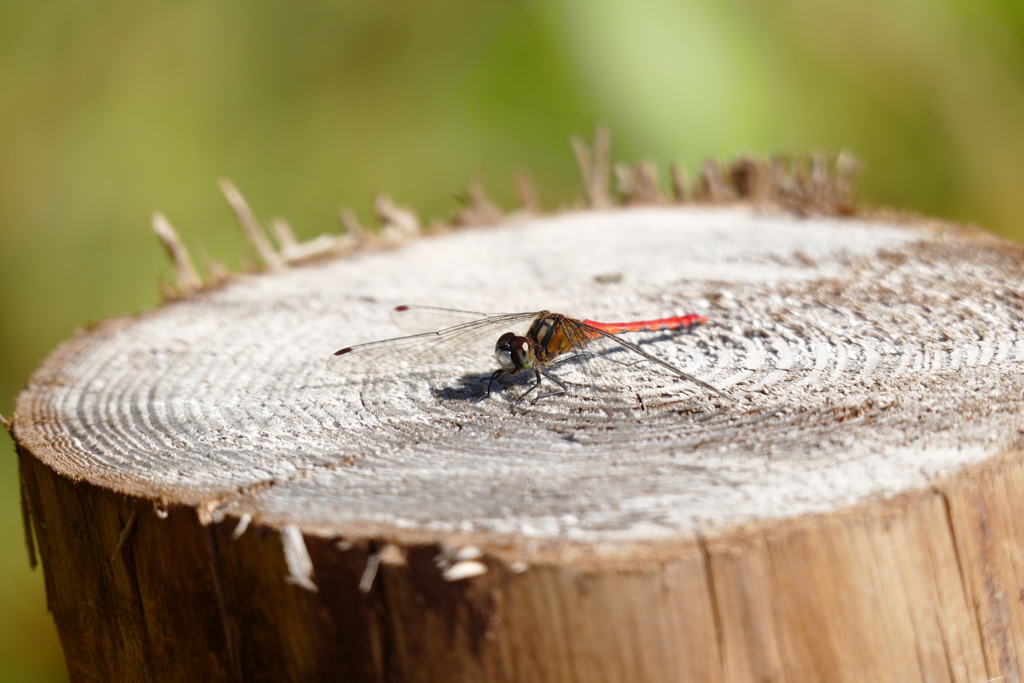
[450,343]
[581,355]
[423,319]
[589,333]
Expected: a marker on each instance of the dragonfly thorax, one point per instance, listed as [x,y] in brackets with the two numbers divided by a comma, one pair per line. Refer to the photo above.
[514,353]
[551,336]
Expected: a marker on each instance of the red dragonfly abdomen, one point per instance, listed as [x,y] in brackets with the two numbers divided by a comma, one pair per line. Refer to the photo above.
[683,321]
[554,334]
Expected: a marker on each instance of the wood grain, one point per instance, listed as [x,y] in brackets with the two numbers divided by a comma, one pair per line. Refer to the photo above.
[852,514]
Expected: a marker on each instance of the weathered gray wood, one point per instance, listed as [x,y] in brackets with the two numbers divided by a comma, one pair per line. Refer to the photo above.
[833,522]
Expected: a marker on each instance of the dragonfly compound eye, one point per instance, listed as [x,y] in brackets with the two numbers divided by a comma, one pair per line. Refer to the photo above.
[514,353]
[522,353]
[503,352]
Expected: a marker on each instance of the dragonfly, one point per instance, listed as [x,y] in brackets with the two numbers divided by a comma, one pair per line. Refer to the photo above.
[551,338]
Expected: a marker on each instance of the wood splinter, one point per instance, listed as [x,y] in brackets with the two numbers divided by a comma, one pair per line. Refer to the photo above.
[187,278]
[595,167]
[250,226]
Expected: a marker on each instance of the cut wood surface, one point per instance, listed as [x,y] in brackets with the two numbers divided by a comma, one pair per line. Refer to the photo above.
[209,500]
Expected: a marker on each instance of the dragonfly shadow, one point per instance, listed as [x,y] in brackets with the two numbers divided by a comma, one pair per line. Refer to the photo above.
[473,388]
[469,388]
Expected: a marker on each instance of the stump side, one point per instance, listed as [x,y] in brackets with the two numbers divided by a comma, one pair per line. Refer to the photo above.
[924,587]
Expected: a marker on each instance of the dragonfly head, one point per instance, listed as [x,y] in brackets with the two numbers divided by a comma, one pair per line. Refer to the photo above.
[514,353]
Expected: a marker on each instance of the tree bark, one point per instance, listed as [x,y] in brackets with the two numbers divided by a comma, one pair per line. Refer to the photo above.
[210,503]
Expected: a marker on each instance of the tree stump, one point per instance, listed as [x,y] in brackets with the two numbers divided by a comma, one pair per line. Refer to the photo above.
[210,503]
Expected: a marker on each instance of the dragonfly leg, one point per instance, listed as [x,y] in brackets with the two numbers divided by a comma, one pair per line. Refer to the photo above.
[562,388]
[494,376]
[537,373]
[526,393]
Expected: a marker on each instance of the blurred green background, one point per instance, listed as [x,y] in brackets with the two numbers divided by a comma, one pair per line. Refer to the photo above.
[109,111]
